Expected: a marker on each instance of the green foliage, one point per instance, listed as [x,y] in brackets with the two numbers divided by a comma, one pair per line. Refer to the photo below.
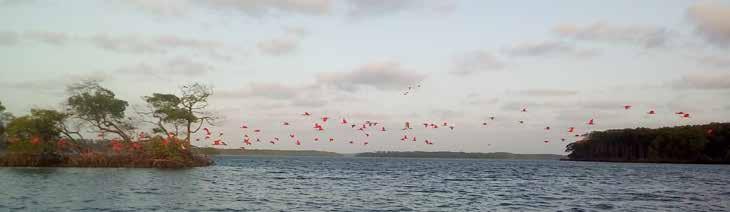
[42,126]
[100,107]
[167,109]
[703,143]
[168,148]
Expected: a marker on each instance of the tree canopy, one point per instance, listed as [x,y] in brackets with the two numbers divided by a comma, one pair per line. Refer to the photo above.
[99,106]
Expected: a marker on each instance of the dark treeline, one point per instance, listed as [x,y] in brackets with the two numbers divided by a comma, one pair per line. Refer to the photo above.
[466,155]
[682,144]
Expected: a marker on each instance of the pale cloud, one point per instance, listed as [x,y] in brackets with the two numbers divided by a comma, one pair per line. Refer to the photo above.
[703,81]
[715,60]
[276,91]
[645,36]
[57,84]
[175,67]
[378,8]
[548,92]
[267,7]
[712,22]
[277,47]
[549,48]
[380,75]
[476,61]
[161,7]
[8,38]
[296,31]
[53,38]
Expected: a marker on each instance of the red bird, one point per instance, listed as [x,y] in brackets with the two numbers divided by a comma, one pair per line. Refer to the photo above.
[524,109]
[626,107]
[316,139]
[590,122]
[382,129]
[686,115]
[425,125]
[306,114]
[414,138]
[291,135]
[710,131]
[243,126]
[547,128]
[446,124]
[324,119]
[352,142]
[286,123]
[299,143]
[207,131]
[332,140]
[679,113]
[546,141]
[651,112]
[272,142]
[217,142]
[571,129]
[484,123]
[365,143]
[353,126]
[344,121]
[256,130]
[491,118]
[452,127]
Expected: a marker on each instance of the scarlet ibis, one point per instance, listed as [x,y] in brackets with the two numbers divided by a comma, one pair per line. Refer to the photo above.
[524,109]
[291,135]
[590,122]
[353,126]
[686,115]
[626,107]
[306,114]
[571,129]
[286,123]
[446,124]
[207,131]
[344,121]
[491,118]
[256,130]
[272,142]
[547,128]
[546,141]
[451,127]
[217,142]
[324,119]
[332,140]
[382,129]
[651,112]
[316,139]
[365,143]
[299,143]
[243,126]
[414,138]
[352,142]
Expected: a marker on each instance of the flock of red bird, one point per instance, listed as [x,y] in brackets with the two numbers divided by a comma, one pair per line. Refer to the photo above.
[369,128]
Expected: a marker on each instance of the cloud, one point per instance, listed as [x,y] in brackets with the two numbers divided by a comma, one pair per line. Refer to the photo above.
[266,7]
[549,48]
[277,47]
[377,8]
[53,38]
[446,114]
[476,61]
[8,38]
[309,102]
[175,67]
[296,31]
[161,7]
[718,61]
[646,36]
[482,101]
[548,92]
[703,81]
[275,91]
[381,75]
[712,22]
[55,85]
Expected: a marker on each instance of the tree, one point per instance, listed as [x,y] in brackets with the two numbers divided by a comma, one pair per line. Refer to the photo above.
[42,126]
[4,118]
[100,108]
[167,110]
[185,111]
[194,101]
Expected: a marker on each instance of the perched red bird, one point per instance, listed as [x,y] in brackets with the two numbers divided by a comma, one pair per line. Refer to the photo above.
[446,124]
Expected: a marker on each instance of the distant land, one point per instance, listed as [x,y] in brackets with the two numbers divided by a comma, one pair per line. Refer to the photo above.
[709,143]
[267,152]
[463,155]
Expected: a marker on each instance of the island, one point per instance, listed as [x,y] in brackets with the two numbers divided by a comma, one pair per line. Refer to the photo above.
[94,129]
[461,155]
[709,143]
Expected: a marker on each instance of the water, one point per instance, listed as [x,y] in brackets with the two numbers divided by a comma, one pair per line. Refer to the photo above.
[372,184]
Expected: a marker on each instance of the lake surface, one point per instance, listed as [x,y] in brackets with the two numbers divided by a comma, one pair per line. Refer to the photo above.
[372,184]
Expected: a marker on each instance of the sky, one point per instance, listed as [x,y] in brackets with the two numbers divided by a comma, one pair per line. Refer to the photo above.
[269,61]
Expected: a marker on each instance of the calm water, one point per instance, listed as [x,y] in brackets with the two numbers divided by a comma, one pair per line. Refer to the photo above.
[367,184]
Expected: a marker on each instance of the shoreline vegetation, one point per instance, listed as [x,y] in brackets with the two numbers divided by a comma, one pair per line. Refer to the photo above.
[694,144]
[158,135]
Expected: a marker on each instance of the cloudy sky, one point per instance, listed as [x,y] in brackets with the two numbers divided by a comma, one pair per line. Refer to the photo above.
[271,60]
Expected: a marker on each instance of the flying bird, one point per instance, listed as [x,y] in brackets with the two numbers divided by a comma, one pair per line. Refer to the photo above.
[626,107]
[306,114]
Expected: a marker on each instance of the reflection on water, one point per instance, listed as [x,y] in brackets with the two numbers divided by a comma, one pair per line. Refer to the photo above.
[365,184]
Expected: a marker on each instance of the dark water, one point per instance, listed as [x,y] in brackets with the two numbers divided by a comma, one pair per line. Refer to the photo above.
[370,184]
